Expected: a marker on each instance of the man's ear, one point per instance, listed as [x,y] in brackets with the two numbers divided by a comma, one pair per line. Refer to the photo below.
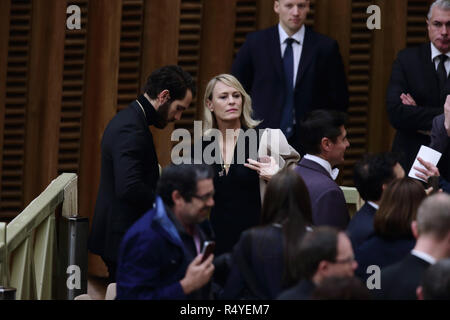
[414,229]
[164,96]
[176,197]
[325,144]
[419,293]
[276,6]
[322,268]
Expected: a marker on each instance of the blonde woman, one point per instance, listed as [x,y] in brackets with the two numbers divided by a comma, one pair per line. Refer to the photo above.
[229,135]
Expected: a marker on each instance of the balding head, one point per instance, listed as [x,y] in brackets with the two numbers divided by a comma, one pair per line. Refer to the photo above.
[433,216]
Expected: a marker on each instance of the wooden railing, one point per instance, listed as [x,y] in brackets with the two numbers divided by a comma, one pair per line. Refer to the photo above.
[28,243]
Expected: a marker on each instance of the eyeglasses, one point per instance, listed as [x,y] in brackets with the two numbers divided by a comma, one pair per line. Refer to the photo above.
[204,197]
[345,261]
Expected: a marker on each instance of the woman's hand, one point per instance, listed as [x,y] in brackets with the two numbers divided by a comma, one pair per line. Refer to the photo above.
[266,168]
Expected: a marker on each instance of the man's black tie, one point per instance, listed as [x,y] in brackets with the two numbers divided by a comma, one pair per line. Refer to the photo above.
[442,75]
[287,119]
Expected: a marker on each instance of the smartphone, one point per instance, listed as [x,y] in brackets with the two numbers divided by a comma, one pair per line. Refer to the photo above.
[433,181]
[208,249]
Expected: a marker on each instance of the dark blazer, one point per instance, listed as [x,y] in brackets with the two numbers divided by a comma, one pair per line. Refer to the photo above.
[360,227]
[257,267]
[327,199]
[382,252]
[320,83]
[440,142]
[400,281]
[302,291]
[153,259]
[413,72]
[129,173]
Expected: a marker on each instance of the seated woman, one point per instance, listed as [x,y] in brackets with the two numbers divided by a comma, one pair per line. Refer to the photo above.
[229,141]
[393,237]
[263,260]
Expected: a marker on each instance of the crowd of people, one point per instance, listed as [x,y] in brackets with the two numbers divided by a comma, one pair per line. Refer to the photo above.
[275,225]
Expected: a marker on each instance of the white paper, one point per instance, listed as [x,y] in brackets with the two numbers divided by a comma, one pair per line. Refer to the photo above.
[427,154]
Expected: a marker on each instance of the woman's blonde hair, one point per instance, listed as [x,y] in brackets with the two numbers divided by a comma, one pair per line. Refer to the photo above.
[246,115]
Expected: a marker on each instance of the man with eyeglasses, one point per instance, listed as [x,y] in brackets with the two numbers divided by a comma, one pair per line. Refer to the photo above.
[160,255]
[323,253]
[419,85]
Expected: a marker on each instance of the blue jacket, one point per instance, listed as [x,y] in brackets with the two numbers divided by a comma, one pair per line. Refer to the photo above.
[152,259]
[360,227]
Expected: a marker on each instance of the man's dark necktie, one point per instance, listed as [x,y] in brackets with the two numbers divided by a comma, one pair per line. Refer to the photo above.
[287,119]
[442,76]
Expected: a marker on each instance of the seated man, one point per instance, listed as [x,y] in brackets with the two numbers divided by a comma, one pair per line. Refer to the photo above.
[160,254]
[324,252]
[371,175]
[325,142]
[432,230]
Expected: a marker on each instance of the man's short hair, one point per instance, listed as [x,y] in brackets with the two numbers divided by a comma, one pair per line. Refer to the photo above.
[316,246]
[433,216]
[172,78]
[436,281]
[371,172]
[441,4]
[182,178]
[321,124]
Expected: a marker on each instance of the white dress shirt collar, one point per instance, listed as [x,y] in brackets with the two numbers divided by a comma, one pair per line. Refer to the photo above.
[299,36]
[374,205]
[424,256]
[325,164]
[435,52]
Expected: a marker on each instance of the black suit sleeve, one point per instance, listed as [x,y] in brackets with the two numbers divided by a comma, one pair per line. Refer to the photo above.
[242,67]
[337,82]
[401,116]
[128,159]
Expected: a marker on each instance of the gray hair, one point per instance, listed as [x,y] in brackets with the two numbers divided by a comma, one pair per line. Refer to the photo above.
[441,4]
[433,216]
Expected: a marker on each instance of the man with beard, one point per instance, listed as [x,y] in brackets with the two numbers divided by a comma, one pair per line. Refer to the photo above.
[161,254]
[129,165]
[419,86]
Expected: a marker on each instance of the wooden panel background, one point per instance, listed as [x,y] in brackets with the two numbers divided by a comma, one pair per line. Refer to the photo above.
[58,92]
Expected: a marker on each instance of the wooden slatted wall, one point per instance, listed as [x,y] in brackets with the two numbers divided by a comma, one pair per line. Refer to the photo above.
[416,32]
[245,22]
[130,52]
[358,83]
[189,53]
[72,93]
[12,171]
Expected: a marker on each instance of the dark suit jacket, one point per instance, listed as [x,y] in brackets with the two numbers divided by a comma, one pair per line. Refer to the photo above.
[327,199]
[129,173]
[302,291]
[382,252]
[400,280]
[257,269]
[440,142]
[413,72]
[360,227]
[320,82]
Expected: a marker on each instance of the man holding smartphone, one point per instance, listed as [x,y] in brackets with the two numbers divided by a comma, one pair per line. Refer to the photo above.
[161,254]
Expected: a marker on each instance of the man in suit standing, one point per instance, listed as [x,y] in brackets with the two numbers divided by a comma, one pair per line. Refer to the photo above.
[371,175]
[129,166]
[419,84]
[290,70]
[325,141]
[432,230]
